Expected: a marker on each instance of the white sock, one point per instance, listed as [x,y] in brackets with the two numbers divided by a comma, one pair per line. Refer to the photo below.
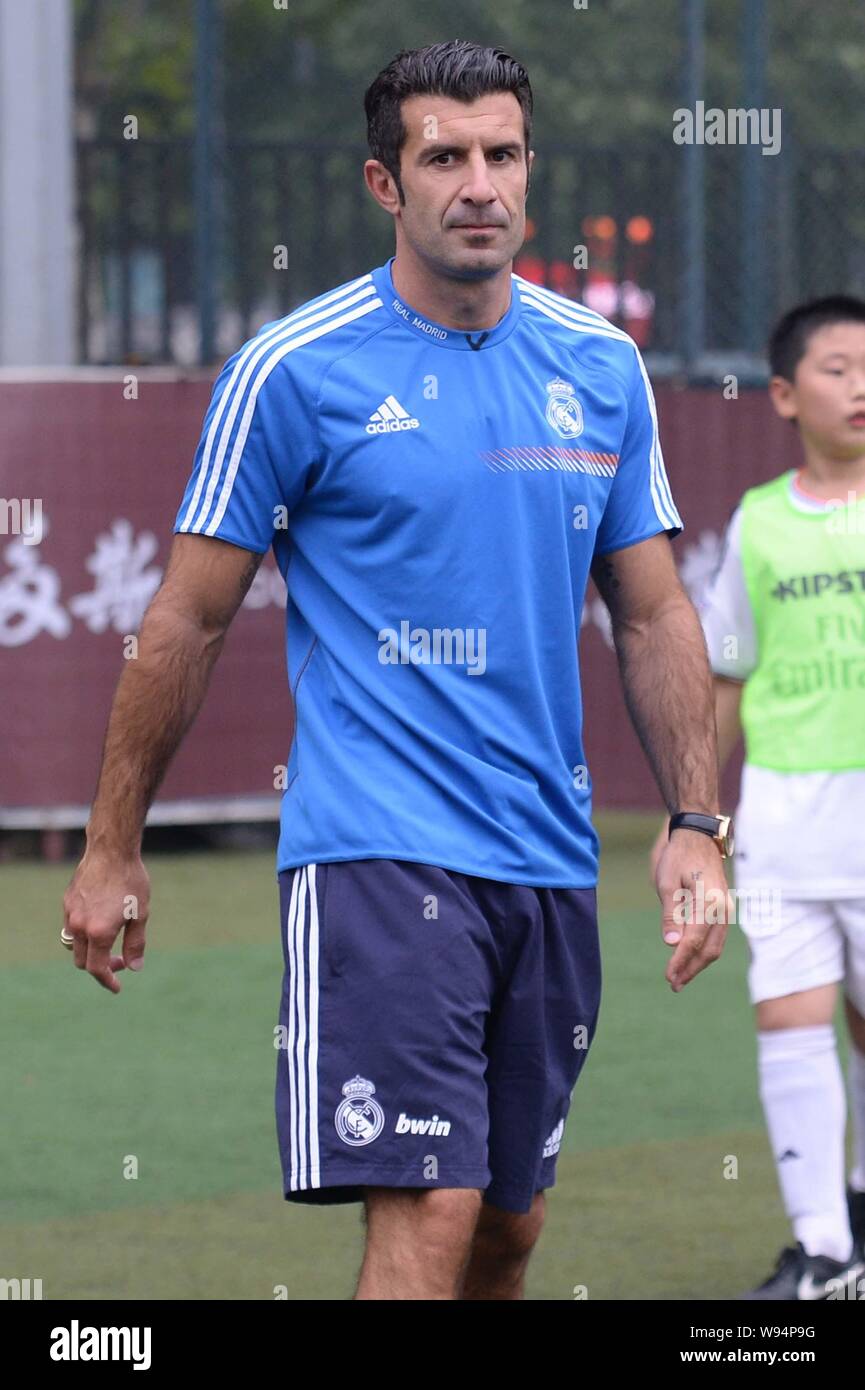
[802,1090]
[856,1081]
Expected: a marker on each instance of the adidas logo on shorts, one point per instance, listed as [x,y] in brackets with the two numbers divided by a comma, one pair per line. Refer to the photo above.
[552,1145]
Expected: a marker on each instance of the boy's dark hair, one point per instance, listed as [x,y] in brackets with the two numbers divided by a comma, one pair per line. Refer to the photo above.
[458,69]
[788,341]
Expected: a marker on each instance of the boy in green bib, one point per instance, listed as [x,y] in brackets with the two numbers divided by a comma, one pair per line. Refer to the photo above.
[784,622]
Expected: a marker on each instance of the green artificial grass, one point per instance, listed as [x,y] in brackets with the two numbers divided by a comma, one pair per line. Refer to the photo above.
[138,1150]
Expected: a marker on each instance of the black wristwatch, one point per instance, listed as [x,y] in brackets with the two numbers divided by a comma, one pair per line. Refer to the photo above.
[718,828]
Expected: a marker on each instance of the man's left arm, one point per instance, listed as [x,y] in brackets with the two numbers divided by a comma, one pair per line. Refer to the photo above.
[669,693]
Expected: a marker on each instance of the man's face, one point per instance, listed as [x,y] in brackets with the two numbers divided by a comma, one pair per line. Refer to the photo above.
[827,396]
[464,177]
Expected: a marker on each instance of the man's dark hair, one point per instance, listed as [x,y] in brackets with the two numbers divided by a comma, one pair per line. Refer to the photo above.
[457,69]
[788,342]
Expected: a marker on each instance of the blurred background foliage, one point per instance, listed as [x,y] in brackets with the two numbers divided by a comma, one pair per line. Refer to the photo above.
[608,73]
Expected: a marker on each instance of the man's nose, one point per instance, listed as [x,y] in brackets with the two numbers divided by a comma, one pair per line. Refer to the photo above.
[478,186]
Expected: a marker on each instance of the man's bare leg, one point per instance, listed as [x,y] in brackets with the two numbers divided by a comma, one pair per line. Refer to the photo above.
[418,1241]
[503,1242]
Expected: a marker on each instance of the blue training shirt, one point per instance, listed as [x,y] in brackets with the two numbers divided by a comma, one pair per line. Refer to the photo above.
[434,500]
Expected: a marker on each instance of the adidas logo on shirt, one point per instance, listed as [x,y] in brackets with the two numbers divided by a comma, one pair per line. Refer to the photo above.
[390,418]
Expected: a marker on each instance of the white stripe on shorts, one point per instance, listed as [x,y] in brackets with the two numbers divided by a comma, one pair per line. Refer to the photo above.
[303,1072]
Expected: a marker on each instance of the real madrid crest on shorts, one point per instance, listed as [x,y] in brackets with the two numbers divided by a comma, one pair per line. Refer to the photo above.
[358,1119]
[564,411]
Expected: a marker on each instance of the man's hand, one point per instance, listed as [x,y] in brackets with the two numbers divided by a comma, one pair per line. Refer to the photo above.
[107,895]
[695,902]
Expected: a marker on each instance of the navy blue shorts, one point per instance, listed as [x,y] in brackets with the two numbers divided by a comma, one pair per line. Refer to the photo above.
[432,1027]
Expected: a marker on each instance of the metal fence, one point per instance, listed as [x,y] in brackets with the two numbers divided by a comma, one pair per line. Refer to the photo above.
[293,220]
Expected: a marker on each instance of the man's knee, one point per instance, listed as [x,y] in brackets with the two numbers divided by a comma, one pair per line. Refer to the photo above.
[507,1235]
[435,1215]
[418,1241]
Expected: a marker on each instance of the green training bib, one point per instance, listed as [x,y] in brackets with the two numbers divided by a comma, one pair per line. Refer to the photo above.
[803,707]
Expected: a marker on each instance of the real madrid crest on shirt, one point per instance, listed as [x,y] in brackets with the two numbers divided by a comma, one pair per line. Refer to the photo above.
[358,1119]
[564,411]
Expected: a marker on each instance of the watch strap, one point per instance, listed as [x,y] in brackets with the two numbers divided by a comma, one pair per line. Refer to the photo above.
[695,820]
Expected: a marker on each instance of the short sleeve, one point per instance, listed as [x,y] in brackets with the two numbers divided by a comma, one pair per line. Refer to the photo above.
[726,612]
[640,503]
[257,447]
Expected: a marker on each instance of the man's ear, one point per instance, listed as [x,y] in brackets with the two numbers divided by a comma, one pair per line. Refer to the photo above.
[529,162]
[382,185]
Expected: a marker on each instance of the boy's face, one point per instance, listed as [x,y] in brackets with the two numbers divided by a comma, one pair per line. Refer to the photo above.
[827,394]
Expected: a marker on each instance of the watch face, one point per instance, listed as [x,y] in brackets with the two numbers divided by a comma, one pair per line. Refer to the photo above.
[725,831]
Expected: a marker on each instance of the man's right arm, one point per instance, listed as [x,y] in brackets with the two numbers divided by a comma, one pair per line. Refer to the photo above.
[728,698]
[158,696]
[731,639]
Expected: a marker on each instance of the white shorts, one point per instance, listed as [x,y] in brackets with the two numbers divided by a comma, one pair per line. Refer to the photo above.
[801,943]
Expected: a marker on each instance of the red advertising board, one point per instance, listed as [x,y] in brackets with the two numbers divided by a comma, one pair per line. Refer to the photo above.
[108,471]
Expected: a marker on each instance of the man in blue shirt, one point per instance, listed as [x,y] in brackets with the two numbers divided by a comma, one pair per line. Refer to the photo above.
[439,453]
